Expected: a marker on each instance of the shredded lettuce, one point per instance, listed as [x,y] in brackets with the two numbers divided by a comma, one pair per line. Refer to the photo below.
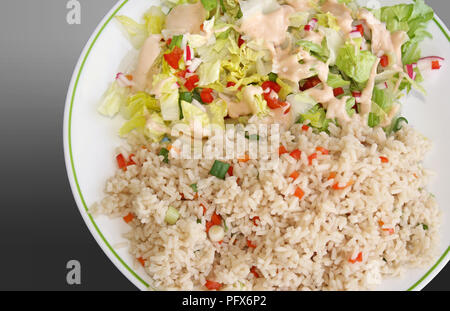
[328,20]
[217,111]
[335,81]
[155,20]
[333,42]
[114,97]
[317,118]
[252,96]
[355,63]
[137,33]
[192,113]
[231,7]
[319,51]
[168,96]
[209,72]
[301,103]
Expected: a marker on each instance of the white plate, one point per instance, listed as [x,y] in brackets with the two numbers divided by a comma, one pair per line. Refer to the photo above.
[90,139]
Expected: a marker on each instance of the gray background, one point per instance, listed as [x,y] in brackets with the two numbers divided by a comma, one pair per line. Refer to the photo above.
[40,226]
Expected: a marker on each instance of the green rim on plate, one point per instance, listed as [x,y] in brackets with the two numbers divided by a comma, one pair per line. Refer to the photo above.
[442,28]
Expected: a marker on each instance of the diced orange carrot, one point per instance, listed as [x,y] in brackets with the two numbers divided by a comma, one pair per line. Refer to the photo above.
[311,158]
[128,217]
[358,258]
[294,175]
[332,175]
[384,160]
[282,150]
[337,187]
[142,261]
[245,159]
[322,150]
[299,193]
[296,154]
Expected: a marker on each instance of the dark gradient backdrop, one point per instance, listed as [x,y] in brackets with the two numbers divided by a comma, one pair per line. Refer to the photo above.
[40,226]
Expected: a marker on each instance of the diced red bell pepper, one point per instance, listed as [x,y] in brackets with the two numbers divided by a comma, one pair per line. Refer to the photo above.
[271,85]
[310,83]
[212,285]
[435,65]
[360,28]
[338,91]
[240,41]
[206,95]
[121,162]
[173,58]
[384,61]
[191,82]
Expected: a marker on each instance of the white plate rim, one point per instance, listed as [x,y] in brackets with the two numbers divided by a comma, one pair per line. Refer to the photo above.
[123,267]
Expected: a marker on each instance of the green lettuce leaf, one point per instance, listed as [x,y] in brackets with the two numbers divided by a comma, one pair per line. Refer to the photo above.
[168,96]
[335,81]
[355,63]
[155,127]
[114,97]
[155,20]
[137,33]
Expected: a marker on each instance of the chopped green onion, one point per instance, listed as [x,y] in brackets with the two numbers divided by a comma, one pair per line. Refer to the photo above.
[165,153]
[398,123]
[239,14]
[219,169]
[186,96]
[374,119]
[176,41]
[199,221]
[196,96]
[273,77]
[251,137]
[194,187]
[425,227]
[172,215]
[225,228]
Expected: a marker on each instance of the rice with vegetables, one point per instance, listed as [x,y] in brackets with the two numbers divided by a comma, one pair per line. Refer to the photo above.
[361,214]
[341,202]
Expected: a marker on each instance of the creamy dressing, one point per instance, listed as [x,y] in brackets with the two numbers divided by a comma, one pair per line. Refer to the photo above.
[366,95]
[335,107]
[186,18]
[149,52]
[314,36]
[287,65]
[388,119]
[383,42]
[271,27]
[342,14]
[236,109]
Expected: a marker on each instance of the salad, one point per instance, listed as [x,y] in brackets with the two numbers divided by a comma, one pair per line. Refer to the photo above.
[266,61]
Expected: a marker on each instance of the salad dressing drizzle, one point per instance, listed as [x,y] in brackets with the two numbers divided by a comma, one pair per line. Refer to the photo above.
[149,53]
[341,12]
[384,41]
[366,95]
[186,18]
